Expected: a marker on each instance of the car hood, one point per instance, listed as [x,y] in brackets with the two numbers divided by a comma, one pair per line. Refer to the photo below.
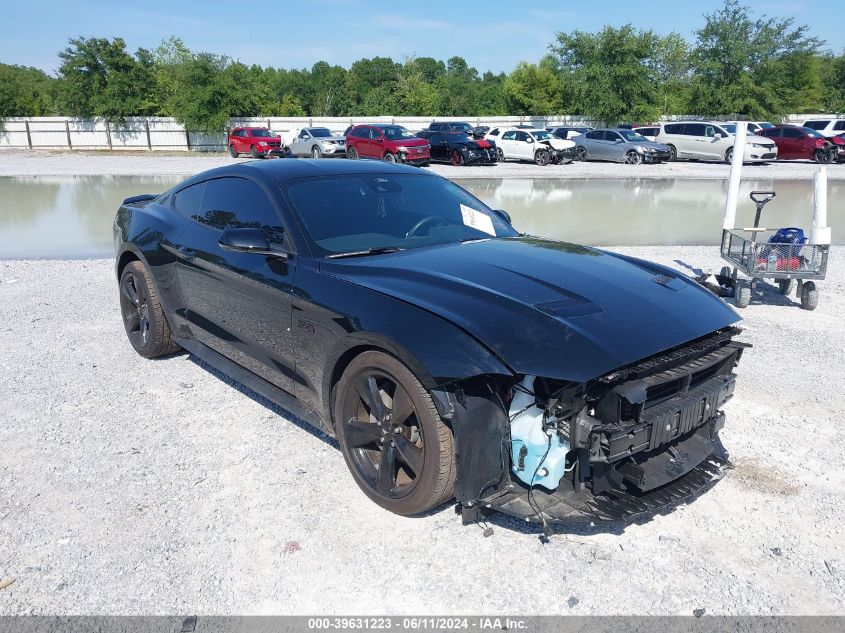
[658,146]
[759,140]
[335,138]
[547,308]
[415,141]
[559,143]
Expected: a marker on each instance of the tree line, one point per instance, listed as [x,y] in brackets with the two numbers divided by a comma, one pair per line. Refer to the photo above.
[737,64]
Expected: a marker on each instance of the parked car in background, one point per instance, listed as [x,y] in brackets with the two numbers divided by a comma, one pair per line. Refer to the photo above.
[648,131]
[796,143]
[255,141]
[317,142]
[459,148]
[534,145]
[702,140]
[619,145]
[480,131]
[826,126]
[392,143]
[568,132]
[755,126]
[455,126]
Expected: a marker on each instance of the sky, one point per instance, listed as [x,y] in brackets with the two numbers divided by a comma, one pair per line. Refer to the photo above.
[493,35]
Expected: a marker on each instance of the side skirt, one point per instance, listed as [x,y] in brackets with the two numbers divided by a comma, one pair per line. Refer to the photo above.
[257,384]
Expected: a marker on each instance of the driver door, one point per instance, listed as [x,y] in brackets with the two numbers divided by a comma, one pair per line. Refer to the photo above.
[239,304]
[524,146]
[302,143]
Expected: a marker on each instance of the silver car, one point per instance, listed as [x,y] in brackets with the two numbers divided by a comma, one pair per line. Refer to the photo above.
[620,146]
[317,142]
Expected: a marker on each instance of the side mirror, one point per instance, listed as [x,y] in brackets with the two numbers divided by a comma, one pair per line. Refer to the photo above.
[504,215]
[247,241]
[618,140]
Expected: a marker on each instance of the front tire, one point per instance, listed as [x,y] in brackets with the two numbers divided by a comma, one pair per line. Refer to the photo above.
[633,157]
[316,152]
[743,294]
[673,154]
[457,158]
[253,151]
[390,157]
[232,152]
[821,156]
[500,154]
[143,317]
[729,155]
[397,447]
[542,157]
[581,154]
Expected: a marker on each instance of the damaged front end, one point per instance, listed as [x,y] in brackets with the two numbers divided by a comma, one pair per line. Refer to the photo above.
[636,441]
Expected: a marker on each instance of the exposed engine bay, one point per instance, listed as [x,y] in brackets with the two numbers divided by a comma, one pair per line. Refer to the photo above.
[639,439]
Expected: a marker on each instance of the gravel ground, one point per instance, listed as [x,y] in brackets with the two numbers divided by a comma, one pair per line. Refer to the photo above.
[98,163]
[154,487]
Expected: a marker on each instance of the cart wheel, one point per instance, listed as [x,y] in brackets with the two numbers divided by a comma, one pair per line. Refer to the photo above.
[726,271]
[743,294]
[809,296]
[786,286]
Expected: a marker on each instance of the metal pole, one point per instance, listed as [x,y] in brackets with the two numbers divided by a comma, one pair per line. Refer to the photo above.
[67,131]
[736,175]
[28,135]
[147,128]
[820,233]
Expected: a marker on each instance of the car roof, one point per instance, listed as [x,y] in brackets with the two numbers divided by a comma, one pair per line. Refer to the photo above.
[284,169]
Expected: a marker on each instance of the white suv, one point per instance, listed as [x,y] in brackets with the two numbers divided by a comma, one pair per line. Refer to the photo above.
[701,140]
[826,127]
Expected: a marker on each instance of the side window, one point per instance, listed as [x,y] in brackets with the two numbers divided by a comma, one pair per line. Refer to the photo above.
[521,136]
[674,128]
[815,125]
[187,201]
[593,135]
[437,137]
[840,125]
[509,135]
[494,132]
[694,129]
[374,134]
[234,203]
[709,131]
[612,136]
[791,133]
[303,134]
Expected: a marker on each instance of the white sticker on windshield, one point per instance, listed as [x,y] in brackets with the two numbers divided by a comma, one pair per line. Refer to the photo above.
[477,220]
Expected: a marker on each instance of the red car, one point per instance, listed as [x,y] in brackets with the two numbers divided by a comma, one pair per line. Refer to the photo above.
[796,142]
[392,143]
[255,141]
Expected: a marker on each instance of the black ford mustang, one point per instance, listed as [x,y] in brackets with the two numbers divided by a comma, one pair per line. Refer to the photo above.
[450,355]
[459,148]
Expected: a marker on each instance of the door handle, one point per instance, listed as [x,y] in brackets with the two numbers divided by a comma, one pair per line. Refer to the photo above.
[187,251]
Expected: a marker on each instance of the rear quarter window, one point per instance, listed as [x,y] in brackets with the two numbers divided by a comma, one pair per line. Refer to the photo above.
[188,201]
[816,125]
[673,128]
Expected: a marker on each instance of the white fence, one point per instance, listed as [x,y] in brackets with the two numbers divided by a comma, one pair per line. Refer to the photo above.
[162,133]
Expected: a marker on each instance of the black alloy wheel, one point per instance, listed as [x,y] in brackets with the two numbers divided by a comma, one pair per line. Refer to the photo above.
[143,317]
[821,156]
[542,157]
[581,154]
[393,440]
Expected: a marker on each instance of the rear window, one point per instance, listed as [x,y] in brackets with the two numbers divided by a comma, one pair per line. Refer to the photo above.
[263,133]
[816,125]
[840,125]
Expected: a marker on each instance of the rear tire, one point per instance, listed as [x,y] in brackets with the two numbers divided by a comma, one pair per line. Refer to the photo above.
[395,443]
[809,296]
[729,155]
[673,154]
[232,151]
[143,318]
[352,153]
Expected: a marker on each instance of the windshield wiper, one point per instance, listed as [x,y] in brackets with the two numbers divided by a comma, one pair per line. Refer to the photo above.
[370,251]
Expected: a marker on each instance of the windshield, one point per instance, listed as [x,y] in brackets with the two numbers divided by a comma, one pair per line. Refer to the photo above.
[465,127]
[320,132]
[730,128]
[542,135]
[811,132]
[765,125]
[263,133]
[357,212]
[634,137]
[394,132]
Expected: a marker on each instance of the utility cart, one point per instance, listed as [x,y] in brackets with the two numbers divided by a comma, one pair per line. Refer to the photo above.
[780,254]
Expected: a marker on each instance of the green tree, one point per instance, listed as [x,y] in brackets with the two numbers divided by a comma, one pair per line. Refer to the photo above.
[26,91]
[98,77]
[737,60]
[534,89]
[414,96]
[611,75]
